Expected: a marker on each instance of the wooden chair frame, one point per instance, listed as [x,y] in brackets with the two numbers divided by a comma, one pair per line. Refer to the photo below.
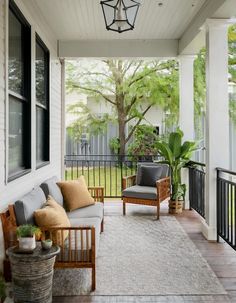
[163,192]
[87,235]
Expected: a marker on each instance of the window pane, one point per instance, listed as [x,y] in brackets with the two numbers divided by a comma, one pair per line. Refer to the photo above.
[16,161]
[41,75]
[15,64]
[41,144]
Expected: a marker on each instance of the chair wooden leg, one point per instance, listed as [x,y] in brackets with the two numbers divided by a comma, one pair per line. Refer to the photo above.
[102,226]
[124,208]
[158,210]
[93,278]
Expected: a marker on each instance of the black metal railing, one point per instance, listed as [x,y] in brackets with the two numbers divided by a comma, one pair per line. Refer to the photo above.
[226,206]
[104,170]
[197,187]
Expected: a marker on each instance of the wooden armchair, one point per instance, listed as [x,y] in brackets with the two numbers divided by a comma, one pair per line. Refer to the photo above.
[145,195]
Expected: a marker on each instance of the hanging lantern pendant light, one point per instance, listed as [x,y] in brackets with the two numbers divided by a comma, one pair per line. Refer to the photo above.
[120,15]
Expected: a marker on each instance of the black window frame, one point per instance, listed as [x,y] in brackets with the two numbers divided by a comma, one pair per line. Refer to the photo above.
[45,108]
[25,97]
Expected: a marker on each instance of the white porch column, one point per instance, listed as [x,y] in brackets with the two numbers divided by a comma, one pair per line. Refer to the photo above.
[186,108]
[217,116]
[186,97]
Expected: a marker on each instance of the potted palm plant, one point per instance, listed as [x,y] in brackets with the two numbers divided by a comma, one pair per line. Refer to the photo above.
[26,236]
[177,155]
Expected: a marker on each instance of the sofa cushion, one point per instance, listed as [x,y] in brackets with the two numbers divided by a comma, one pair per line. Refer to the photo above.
[75,194]
[52,215]
[25,207]
[149,175]
[140,192]
[51,188]
[95,210]
[77,222]
[165,169]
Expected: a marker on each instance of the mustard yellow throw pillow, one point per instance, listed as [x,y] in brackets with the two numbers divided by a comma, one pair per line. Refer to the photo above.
[75,194]
[53,215]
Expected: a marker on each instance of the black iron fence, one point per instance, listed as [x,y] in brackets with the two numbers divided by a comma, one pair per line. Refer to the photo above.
[104,170]
[197,187]
[226,206]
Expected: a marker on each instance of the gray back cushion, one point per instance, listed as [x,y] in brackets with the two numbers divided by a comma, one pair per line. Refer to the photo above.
[51,188]
[165,170]
[149,175]
[25,207]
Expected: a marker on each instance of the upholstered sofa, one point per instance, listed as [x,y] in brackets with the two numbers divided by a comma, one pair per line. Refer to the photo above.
[80,248]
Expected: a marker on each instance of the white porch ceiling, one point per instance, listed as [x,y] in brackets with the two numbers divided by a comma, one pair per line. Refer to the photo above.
[83,19]
[168,30]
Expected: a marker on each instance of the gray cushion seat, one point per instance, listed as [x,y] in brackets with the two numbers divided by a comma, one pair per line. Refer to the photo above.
[140,192]
[90,211]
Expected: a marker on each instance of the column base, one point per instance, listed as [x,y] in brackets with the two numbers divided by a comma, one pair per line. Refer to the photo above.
[208,232]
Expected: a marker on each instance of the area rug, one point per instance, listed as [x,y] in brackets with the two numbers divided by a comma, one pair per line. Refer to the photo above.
[139,255]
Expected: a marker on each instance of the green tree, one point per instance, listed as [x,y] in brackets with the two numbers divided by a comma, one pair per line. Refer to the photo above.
[131,88]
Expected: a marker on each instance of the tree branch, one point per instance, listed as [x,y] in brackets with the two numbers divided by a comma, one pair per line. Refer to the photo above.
[136,69]
[138,122]
[127,67]
[133,101]
[95,91]
[153,70]
[94,74]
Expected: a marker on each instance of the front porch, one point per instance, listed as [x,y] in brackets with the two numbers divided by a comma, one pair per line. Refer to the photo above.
[33,150]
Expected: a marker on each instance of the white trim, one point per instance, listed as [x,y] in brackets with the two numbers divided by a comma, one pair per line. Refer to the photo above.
[165,48]
[6,93]
[207,11]
[63,123]
[208,232]
[33,99]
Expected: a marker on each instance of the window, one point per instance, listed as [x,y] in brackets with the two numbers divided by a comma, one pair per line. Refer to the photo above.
[19,82]
[42,103]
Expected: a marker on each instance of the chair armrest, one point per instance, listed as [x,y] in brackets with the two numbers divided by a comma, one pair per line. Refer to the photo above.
[128,181]
[97,193]
[9,227]
[77,243]
[163,188]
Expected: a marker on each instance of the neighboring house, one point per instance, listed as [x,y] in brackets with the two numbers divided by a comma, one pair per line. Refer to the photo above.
[99,144]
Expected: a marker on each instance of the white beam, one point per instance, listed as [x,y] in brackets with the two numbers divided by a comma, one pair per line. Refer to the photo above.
[118,48]
[217,116]
[186,109]
[207,11]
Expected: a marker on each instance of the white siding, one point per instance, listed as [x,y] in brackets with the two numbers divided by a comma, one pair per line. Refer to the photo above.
[13,190]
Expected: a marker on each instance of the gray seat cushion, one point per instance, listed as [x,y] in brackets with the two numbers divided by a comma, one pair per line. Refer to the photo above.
[140,192]
[165,170]
[95,210]
[51,188]
[96,222]
[149,175]
[25,207]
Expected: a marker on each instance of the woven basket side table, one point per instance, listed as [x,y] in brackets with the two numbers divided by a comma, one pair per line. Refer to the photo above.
[32,274]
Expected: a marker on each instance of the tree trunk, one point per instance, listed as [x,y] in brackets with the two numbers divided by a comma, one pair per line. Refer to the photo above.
[121,122]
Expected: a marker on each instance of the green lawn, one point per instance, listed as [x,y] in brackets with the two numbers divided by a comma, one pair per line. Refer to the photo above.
[109,177]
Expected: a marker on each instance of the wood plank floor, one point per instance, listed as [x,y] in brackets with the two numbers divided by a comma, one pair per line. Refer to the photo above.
[220,256]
